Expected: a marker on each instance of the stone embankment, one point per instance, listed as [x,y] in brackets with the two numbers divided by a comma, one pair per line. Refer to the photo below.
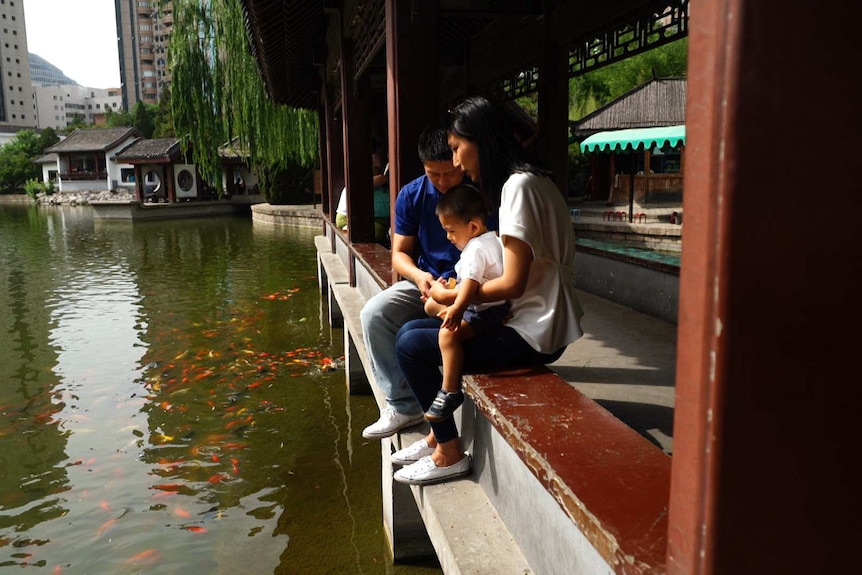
[84,197]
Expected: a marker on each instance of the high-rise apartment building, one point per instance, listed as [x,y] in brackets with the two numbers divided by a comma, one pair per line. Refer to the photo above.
[17,107]
[143,32]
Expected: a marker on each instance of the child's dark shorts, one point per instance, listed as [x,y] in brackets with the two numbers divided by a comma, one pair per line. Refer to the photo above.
[488,319]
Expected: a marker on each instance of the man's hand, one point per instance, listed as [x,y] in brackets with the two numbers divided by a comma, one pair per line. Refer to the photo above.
[424,282]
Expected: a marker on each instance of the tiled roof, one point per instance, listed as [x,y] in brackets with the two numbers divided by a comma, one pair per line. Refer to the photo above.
[232,151]
[659,102]
[93,140]
[47,159]
[157,148]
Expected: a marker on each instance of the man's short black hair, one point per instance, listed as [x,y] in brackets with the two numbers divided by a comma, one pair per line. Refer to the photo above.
[434,145]
[464,202]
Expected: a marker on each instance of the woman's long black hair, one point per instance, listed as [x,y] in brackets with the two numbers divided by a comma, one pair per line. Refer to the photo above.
[492,129]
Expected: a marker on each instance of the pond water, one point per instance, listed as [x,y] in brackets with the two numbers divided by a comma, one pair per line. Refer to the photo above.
[172,400]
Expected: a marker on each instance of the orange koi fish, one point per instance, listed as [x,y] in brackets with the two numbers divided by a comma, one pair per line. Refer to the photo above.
[147,557]
[204,374]
[236,422]
[195,528]
[106,526]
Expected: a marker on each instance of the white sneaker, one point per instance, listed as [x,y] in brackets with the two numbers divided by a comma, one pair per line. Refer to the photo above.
[412,453]
[425,471]
[390,422]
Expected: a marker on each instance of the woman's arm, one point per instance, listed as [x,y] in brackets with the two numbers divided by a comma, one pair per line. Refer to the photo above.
[517,258]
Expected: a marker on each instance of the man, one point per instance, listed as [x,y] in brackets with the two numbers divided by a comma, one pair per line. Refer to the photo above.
[421,253]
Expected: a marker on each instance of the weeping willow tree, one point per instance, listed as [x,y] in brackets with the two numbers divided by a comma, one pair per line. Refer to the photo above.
[217,95]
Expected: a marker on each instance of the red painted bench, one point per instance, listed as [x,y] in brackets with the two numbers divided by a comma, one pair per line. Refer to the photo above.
[611,481]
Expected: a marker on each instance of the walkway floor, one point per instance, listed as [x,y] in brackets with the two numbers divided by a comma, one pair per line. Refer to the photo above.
[626,362]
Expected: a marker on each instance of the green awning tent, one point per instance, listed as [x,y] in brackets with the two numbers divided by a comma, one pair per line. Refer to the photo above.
[634,139]
[631,141]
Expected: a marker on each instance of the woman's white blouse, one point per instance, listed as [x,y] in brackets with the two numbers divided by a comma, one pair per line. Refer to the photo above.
[534,211]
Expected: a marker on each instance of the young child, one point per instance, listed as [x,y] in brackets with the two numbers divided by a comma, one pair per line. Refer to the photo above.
[462,212]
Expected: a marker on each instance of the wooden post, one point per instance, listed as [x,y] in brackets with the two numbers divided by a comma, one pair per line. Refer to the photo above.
[765,475]
[334,144]
[412,68]
[553,137]
[357,151]
[320,179]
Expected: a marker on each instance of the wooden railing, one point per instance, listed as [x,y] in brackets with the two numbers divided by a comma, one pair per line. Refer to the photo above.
[83,176]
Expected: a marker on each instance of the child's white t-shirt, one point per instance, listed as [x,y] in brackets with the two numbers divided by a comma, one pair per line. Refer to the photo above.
[481,260]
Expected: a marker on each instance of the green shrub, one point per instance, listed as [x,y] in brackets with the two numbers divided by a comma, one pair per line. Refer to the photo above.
[34,187]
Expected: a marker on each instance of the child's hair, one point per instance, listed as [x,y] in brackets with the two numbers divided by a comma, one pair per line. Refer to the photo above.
[464,202]
[434,145]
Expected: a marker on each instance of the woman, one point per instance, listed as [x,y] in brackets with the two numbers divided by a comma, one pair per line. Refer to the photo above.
[538,280]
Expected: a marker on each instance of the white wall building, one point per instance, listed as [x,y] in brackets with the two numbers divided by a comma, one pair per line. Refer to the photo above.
[87,160]
[57,106]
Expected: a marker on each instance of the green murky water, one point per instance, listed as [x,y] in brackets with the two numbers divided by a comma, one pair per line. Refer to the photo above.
[172,400]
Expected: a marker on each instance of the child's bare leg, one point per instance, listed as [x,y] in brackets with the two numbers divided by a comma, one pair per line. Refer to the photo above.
[452,350]
[432,307]
[450,397]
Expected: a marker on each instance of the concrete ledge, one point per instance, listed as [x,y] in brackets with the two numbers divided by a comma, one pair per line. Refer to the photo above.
[133,210]
[640,287]
[302,216]
[654,236]
[16,199]
[467,532]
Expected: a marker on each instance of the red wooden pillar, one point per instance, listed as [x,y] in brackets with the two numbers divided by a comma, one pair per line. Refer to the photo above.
[334,152]
[139,183]
[323,151]
[168,181]
[766,461]
[413,87]
[553,137]
[358,174]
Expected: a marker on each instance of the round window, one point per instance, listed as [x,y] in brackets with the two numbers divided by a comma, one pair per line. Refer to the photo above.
[152,183]
[185,180]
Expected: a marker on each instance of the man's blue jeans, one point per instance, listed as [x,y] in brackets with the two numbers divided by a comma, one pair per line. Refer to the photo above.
[418,352]
[382,316]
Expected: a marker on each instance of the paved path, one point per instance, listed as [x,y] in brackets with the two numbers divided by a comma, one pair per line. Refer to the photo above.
[626,361]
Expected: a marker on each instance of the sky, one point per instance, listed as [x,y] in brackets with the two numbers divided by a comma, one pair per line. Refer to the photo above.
[79,37]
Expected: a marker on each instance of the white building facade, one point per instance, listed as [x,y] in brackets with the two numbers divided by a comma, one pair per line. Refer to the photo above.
[58,106]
